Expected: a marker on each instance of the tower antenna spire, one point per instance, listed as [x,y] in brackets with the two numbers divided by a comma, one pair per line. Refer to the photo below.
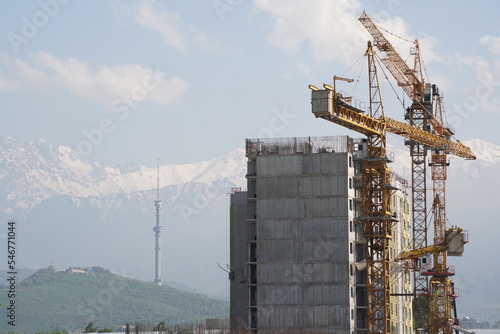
[158,179]
[158,229]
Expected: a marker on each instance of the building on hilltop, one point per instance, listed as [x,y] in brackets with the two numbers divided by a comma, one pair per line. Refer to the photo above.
[297,250]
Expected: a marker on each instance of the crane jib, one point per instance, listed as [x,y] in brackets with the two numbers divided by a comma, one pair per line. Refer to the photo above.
[335,110]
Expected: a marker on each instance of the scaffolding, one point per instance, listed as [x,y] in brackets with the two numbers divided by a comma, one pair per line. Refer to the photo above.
[298,145]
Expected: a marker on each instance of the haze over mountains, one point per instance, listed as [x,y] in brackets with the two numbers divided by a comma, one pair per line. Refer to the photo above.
[74,211]
[78,212]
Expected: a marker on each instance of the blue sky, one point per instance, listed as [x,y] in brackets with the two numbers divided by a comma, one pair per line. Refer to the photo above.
[133,81]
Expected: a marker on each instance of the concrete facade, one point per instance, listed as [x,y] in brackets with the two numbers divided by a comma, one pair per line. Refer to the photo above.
[305,250]
[238,243]
[401,302]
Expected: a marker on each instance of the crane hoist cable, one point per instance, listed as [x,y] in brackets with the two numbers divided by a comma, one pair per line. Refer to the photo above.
[445,121]
[359,76]
[393,34]
[389,81]
[445,116]
[430,216]
[358,63]
[424,68]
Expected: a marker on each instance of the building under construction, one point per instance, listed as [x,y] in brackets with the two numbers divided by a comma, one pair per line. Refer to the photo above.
[297,244]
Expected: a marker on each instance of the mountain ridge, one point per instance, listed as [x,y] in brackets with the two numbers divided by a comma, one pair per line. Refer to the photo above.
[53,171]
[79,176]
[114,226]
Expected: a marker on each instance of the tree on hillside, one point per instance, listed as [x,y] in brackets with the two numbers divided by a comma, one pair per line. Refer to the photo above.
[161,327]
[90,328]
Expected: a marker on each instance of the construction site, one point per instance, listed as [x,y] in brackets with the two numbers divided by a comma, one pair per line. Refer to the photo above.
[327,239]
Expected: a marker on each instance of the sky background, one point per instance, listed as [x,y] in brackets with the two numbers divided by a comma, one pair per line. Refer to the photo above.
[182,81]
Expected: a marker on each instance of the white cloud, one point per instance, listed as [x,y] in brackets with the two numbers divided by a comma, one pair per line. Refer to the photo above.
[332,29]
[428,51]
[171,89]
[153,16]
[482,94]
[443,81]
[492,43]
[102,83]
[487,90]
[6,85]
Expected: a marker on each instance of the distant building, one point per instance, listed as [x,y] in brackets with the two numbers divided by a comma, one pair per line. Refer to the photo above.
[52,266]
[297,250]
[473,323]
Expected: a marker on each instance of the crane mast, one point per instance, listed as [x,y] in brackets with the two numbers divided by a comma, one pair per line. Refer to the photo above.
[411,81]
[425,131]
[441,288]
[421,115]
[376,213]
[376,216]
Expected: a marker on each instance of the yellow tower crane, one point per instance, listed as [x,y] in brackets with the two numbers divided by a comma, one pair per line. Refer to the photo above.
[330,105]
[412,83]
[426,113]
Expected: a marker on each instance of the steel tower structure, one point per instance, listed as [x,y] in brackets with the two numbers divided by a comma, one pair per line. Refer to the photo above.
[158,229]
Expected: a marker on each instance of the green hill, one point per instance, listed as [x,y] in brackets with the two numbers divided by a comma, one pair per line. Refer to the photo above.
[65,300]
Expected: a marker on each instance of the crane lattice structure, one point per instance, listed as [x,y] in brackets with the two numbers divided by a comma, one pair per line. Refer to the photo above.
[422,115]
[376,217]
[411,81]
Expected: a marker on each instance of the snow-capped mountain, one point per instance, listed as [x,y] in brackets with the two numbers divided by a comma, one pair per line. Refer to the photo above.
[36,171]
[487,155]
[486,152]
[75,211]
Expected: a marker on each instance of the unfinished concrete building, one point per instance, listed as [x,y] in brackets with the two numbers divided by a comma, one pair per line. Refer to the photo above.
[238,244]
[297,250]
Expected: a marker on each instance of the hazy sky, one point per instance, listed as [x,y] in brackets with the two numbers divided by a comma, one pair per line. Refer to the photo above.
[133,81]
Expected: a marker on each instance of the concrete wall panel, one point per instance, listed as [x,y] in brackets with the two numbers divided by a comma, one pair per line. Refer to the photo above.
[303,273]
[303,215]
[324,319]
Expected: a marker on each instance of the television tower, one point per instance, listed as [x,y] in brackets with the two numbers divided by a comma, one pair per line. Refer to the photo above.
[157,229]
